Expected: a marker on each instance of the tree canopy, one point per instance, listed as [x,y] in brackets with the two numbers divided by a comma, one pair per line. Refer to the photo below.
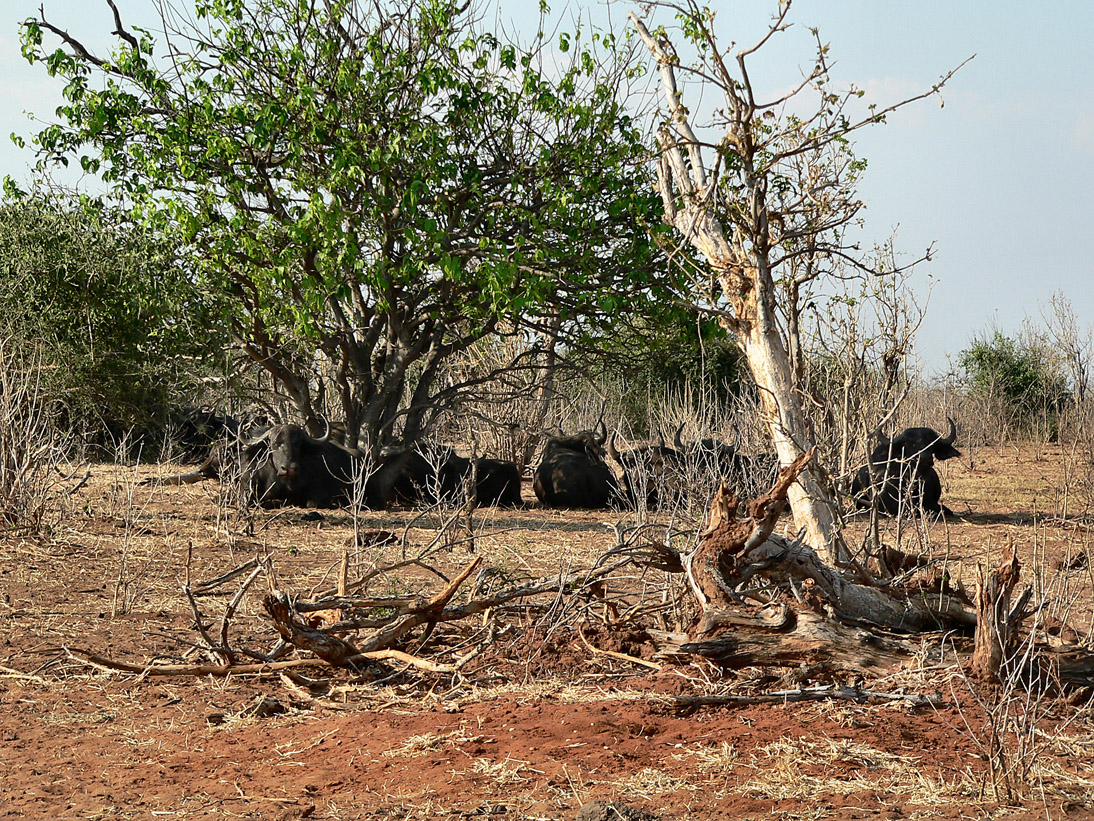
[375,185]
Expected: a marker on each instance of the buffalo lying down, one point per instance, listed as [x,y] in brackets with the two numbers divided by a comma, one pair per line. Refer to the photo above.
[901,474]
[284,465]
[281,465]
[441,474]
[747,474]
[573,473]
[652,474]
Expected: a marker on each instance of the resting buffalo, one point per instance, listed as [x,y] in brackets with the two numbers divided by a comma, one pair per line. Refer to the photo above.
[901,474]
[440,474]
[298,469]
[573,473]
[497,482]
[651,473]
[713,457]
[282,465]
[429,474]
[710,456]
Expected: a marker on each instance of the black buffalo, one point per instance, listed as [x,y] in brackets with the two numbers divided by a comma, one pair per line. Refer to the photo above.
[430,474]
[197,432]
[711,456]
[573,473]
[283,465]
[749,474]
[224,458]
[497,482]
[440,474]
[651,473]
[298,469]
[901,474]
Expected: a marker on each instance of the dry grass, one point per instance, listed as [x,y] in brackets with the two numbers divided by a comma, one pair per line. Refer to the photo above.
[650,783]
[806,769]
[428,743]
[506,773]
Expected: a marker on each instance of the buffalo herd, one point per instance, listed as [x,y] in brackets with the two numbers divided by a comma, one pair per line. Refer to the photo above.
[279,465]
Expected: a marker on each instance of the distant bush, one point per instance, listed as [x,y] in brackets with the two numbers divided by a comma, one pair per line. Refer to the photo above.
[118,330]
[1020,378]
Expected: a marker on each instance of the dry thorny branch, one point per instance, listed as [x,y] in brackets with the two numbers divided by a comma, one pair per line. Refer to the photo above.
[756,598]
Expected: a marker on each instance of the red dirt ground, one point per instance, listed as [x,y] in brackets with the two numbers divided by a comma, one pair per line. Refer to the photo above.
[532,733]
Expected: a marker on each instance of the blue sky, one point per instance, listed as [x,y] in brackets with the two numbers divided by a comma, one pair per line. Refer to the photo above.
[1000,179]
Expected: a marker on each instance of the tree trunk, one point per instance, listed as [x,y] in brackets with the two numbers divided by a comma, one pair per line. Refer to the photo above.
[545,394]
[742,269]
[792,435]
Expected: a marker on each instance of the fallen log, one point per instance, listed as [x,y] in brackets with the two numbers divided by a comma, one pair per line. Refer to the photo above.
[818,617]
[835,692]
[826,647]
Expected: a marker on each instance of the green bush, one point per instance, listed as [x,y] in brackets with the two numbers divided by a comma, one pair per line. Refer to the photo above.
[120,332]
[673,355]
[1021,376]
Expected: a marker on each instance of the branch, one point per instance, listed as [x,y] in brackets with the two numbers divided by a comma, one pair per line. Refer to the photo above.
[77,46]
[119,29]
[665,61]
[218,670]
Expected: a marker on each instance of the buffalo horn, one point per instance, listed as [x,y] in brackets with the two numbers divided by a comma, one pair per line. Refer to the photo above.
[612,452]
[262,437]
[676,440]
[603,433]
[326,434]
[949,440]
[882,438]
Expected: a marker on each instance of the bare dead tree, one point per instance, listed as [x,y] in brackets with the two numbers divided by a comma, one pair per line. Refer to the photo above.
[770,197]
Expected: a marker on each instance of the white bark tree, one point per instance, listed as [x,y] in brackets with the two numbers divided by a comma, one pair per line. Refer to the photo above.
[766,203]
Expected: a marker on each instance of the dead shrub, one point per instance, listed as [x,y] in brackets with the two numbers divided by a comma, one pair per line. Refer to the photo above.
[34,482]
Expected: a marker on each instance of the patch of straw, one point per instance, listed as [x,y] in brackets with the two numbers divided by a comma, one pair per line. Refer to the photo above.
[650,782]
[419,745]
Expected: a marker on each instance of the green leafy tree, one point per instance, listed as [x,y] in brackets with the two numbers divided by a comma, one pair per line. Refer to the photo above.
[1022,375]
[104,307]
[376,186]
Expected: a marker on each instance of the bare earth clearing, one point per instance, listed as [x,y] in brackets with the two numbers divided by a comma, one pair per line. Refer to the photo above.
[541,722]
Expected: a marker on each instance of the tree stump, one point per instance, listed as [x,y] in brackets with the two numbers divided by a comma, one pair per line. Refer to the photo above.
[998,623]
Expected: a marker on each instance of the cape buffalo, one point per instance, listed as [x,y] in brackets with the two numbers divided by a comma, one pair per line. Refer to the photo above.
[718,459]
[648,473]
[573,473]
[497,482]
[282,465]
[439,473]
[430,474]
[298,469]
[901,472]
[197,432]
